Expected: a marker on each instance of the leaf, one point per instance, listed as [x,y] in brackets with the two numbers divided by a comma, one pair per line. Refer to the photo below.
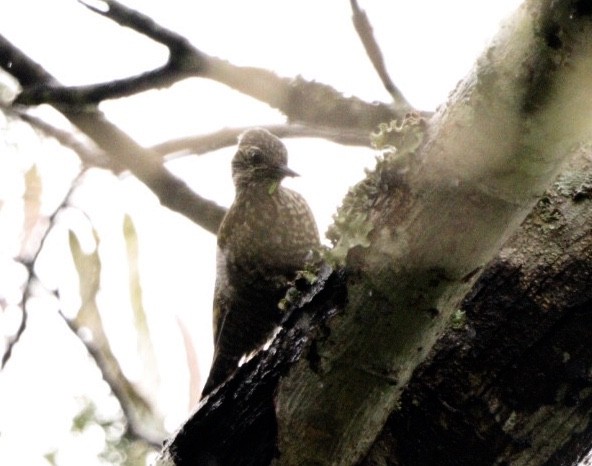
[192,364]
[137,409]
[32,208]
[145,346]
[88,267]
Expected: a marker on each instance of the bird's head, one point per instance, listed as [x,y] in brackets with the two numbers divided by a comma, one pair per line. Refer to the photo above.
[261,159]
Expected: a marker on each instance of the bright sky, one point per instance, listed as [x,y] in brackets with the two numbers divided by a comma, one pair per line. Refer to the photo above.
[429,45]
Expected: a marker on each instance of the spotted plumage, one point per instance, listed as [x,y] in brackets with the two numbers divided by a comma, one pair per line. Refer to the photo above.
[267,235]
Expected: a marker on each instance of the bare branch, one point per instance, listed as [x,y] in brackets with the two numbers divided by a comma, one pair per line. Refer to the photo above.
[365,32]
[226,137]
[89,156]
[13,341]
[148,167]
[143,163]
[141,23]
[184,61]
[300,100]
[77,96]
[29,264]
[132,403]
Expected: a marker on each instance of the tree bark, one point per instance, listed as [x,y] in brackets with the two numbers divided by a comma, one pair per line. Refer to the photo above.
[510,382]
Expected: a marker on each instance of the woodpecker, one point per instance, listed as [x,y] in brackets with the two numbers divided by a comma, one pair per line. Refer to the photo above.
[267,235]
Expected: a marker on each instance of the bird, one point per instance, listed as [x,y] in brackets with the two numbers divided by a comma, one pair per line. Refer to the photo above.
[267,235]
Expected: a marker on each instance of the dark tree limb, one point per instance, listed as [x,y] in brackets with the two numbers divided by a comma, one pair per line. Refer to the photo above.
[184,61]
[144,164]
[236,423]
[128,17]
[172,192]
[366,34]
[80,96]
[302,101]
[90,156]
[29,263]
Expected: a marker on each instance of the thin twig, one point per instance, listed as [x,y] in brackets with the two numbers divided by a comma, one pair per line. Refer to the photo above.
[139,22]
[366,34]
[90,157]
[130,400]
[29,264]
[14,339]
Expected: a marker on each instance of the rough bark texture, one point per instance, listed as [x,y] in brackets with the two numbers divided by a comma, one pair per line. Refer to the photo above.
[510,382]
[236,424]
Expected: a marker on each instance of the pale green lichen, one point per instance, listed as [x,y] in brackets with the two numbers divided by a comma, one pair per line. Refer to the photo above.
[309,275]
[398,142]
[291,297]
[398,136]
[458,319]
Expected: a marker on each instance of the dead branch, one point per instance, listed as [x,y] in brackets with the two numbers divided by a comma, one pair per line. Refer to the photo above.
[89,156]
[14,339]
[365,32]
[226,137]
[300,100]
[135,407]
[143,163]
[29,264]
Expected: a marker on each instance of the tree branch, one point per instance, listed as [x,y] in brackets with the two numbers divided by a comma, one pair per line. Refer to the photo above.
[80,96]
[127,17]
[136,409]
[89,156]
[227,137]
[301,101]
[184,61]
[144,164]
[519,344]
[236,423]
[365,32]
[29,263]
[14,339]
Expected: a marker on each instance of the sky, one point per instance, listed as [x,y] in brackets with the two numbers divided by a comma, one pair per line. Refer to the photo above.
[429,45]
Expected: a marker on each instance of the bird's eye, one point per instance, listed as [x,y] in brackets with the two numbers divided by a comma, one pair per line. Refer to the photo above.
[255,155]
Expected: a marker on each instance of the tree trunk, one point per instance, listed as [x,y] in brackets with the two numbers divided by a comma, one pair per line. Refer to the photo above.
[510,383]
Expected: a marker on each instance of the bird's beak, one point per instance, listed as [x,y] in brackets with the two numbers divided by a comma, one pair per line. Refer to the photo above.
[285,171]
